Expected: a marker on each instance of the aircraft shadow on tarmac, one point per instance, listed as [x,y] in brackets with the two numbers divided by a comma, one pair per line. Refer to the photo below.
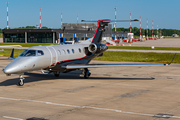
[34,77]
[34,118]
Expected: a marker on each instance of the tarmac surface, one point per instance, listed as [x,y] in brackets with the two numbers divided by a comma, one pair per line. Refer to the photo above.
[118,93]
[168,42]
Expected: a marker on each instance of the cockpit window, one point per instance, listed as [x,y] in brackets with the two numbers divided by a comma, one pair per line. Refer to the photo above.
[31,53]
[39,52]
[23,53]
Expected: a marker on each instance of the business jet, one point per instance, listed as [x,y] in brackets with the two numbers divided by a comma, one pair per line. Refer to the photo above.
[64,57]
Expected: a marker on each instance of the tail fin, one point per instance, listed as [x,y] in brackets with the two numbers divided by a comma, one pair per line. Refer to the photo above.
[100,28]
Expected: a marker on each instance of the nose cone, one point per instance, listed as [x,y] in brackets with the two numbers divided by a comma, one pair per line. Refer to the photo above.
[13,67]
[10,69]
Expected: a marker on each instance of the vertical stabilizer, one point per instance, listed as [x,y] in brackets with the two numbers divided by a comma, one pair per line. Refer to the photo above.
[100,28]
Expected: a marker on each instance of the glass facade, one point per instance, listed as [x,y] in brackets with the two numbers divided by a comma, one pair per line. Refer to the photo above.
[40,37]
[43,35]
[31,37]
[15,37]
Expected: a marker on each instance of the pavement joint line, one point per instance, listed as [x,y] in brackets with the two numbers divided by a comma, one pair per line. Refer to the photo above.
[13,118]
[83,107]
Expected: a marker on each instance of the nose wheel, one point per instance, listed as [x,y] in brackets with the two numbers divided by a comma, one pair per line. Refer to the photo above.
[86,73]
[21,82]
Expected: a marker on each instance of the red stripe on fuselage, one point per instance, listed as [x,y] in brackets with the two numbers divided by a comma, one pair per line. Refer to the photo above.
[66,61]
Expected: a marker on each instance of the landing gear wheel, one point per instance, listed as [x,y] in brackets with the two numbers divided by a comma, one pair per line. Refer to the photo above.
[56,74]
[21,82]
[86,73]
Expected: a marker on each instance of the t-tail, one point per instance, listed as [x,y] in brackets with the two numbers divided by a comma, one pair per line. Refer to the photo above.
[100,28]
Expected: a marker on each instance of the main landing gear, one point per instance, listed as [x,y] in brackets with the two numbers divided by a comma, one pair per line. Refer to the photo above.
[86,73]
[21,82]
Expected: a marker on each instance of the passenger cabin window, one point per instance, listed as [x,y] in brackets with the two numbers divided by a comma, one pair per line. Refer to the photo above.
[68,51]
[31,53]
[72,50]
[40,52]
[79,50]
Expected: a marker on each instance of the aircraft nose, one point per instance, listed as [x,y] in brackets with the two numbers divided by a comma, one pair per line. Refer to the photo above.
[7,71]
[11,69]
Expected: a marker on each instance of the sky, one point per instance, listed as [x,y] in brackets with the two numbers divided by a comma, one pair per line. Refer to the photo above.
[165,13]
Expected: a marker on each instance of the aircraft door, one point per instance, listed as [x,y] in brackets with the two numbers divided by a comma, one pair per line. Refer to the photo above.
[53,55]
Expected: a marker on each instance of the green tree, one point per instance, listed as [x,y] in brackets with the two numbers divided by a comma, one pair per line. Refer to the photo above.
[44,27]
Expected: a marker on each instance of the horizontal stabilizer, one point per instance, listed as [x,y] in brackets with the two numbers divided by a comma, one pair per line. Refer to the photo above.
[108,20]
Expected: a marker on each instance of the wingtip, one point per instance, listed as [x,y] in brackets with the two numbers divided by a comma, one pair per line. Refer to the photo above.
[136,20]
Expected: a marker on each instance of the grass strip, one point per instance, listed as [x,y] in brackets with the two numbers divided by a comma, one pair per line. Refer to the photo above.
[139,57]
[7,52]
[1,35]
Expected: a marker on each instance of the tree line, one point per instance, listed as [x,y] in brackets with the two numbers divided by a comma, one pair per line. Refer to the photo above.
[27,27]
[136,31]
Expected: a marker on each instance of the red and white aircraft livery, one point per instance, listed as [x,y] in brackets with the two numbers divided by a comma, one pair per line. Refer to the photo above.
[66,57]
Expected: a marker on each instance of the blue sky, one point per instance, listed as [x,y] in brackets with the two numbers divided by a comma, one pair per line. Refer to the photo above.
[165,13]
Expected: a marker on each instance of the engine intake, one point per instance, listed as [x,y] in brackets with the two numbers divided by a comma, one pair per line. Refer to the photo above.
[97,48]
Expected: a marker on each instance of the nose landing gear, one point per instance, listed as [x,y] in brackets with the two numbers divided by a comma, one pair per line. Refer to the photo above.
[86,73]
[21,82]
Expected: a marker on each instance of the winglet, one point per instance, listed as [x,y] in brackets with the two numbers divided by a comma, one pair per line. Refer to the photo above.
[12,55]
[171,60]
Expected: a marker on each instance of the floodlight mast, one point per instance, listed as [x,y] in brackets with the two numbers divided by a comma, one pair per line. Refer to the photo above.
[40,18]
[115,24]
[7,16]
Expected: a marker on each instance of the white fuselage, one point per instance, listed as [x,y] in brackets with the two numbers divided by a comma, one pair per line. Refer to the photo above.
[52,55]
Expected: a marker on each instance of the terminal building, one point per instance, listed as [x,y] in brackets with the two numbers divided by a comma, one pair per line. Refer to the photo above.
[69,32]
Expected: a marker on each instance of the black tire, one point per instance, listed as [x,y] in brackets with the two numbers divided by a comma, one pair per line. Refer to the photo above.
[56,75]
[86,76]
[20,83]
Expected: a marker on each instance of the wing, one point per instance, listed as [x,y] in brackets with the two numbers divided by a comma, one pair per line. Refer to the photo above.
[79,66]
[76,66]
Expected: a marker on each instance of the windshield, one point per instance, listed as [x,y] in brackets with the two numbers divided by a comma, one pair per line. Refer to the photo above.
[31,53]
[23,53]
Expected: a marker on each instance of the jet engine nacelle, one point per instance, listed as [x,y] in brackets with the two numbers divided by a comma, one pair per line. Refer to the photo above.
[97,48]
